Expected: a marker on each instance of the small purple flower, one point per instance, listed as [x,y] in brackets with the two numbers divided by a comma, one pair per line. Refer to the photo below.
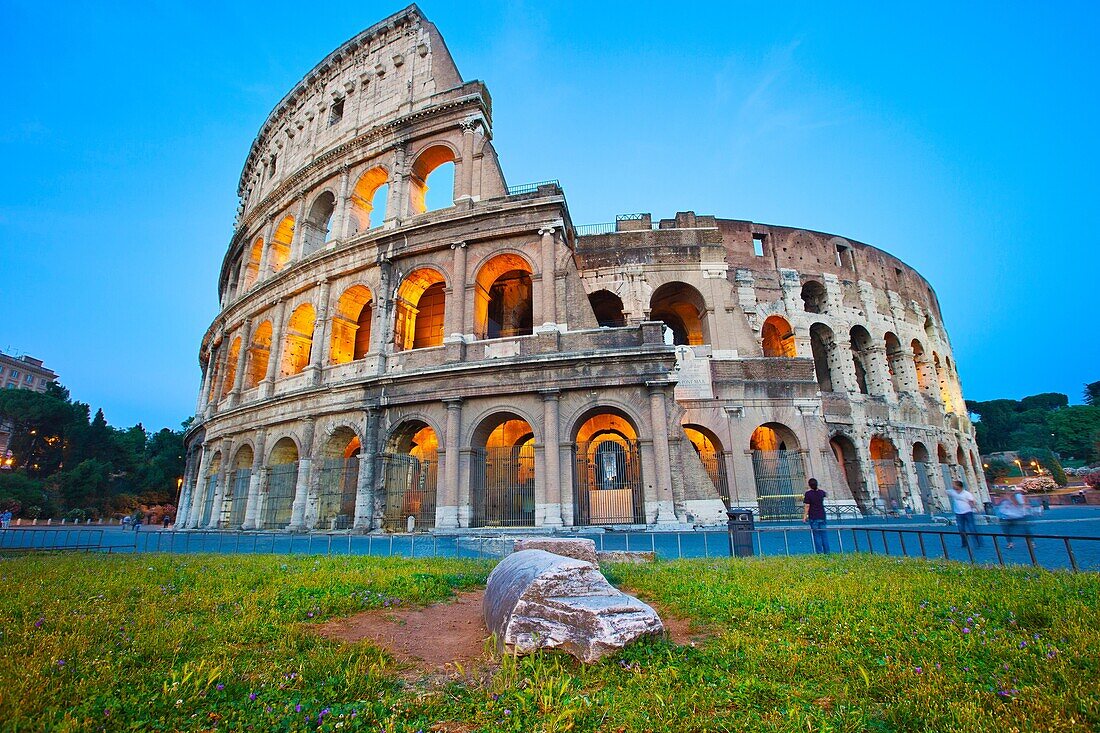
[60,662]
[310,614]
[298,708]
[966,630]
[507,711]
[252,696]
[1023,644]
[495,697]
[38,624]
[918,670]
[219,687]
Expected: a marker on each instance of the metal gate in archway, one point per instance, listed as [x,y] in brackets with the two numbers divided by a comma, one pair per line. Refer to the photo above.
[503,486]
[409,487]
[208,500]
[607,483]
[279,497]
[234,505]
[715,467]
[339,479]
[924,485]
[779,480]
[889,485]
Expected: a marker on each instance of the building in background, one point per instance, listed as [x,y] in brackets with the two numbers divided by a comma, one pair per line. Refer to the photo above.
[378,364]
[20,372]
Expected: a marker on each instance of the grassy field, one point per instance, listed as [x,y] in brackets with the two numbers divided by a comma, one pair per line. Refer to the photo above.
[809,644]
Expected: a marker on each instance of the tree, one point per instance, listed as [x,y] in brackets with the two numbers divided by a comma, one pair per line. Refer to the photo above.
[1077,432]
[1046,401]
[1092,394]
[40,422]
[997,420]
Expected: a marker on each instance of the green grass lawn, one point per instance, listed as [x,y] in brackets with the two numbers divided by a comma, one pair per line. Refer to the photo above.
[848,643]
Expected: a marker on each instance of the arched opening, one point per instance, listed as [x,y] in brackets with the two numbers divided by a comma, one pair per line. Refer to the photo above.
[351,325]
[421,302]
[279,254]
[299,340]
[368,200]
[884,458]
[409,469]
[682,308]
[709,450]
[945,386]
[814,298]
[433,169]
[212,473]
[258,355]
[231,367]
[861,356]
[502,299]
[339,479]
[921,366]
[318,224]
[282,478]
[502,473]
[252,267]
[236,499]
[777,337]
[849,470]
[895,363]
[960,461]
[214,366]
[922,465]
[778,472]
[608,309]
[822,345]
[607,476]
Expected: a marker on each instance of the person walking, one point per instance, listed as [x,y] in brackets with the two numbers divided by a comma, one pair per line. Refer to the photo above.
[813,513]
[963,503]
[1015,515]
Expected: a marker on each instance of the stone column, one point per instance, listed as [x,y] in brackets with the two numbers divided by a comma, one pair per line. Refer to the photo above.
[368,460]
[242,269]
[343,205]
[550,513]
[201,484]
[219,487]
[299,230]
[666,511]
[256,483]
[267,387]
[265,255]
[242,363]
[398,204]
[320,350]
[548,250]
[878,374]
[464,178]
[455,312]
[187,491]
[204,389]
[301,487]
[447,509]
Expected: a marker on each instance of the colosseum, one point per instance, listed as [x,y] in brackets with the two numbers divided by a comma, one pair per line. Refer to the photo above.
[382,365]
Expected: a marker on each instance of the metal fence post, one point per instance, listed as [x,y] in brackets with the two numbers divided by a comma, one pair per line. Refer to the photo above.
[1069,552]
[706,550]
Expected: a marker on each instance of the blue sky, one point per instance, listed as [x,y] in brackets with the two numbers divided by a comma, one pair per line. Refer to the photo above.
[961,139]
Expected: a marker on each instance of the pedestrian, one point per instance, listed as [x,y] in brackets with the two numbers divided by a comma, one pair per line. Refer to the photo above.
[5,519]
[963,503]
[1015,515]
[813,512]
[166,520]
[138,517]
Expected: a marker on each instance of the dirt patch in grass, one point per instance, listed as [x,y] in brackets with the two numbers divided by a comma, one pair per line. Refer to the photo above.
[433,638]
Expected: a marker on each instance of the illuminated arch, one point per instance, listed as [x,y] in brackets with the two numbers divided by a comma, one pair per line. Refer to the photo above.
[368,199]
[884,458]
[607,477]
[421,305]
[351,325]
[502,298]
[299,340]
[777,471]
[231,366]
[259,353]
[709,448]
[502,472]
[279,247]
[252,268]
[338,480]
[681,308]
[409,468]
[777,337]
[281,481]
[427,163]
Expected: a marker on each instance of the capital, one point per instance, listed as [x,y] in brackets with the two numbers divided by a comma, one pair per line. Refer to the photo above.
[543,231]
[453,403]
[458,245]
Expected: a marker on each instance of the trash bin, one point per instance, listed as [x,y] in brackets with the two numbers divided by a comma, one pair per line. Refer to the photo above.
[740,526]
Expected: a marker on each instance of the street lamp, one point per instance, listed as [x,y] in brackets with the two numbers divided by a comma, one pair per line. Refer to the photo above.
[1021,467]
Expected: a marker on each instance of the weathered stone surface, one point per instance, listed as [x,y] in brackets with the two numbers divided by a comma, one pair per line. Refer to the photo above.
[633,558]
[538,600]
[577,548]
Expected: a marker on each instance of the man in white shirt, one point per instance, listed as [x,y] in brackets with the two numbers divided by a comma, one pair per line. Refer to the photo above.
[963,503]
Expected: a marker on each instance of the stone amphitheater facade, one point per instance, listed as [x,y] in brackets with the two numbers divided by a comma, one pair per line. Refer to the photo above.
[378,364]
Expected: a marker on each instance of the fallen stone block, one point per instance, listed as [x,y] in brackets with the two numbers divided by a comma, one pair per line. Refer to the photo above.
[630,557]
[576,548]
[539,600]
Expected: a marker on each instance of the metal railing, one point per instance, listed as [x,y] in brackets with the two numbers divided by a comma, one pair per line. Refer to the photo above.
[32,540]
[587,230]
[531,187]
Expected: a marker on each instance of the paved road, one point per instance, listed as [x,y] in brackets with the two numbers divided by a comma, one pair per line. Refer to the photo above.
[877,535]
